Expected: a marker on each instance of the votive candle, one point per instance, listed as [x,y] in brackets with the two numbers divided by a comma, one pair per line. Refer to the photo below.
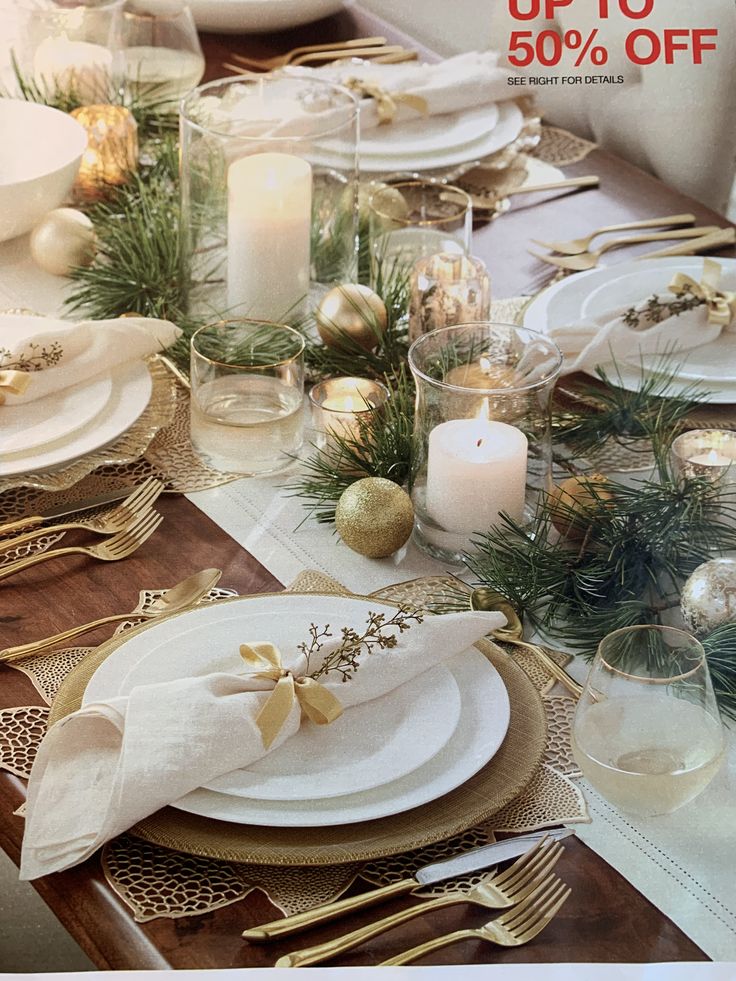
[447,289]
[112,147]
[338,405]
[709,453]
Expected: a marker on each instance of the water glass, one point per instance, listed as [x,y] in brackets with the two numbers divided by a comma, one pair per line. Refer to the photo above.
[162,54]
[411,219]
[647,733]
[247,382]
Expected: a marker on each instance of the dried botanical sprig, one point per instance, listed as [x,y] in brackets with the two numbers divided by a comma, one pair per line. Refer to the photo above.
[656,309]
[345,659]
[35,358]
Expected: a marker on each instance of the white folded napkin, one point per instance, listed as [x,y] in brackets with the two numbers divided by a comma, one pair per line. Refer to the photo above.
[111,764]
[68,354]
[608,337]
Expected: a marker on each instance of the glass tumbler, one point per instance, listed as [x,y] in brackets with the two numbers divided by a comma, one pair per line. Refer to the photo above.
[161,50]
[411,219]
[482,431]
[247,394]
[647,733]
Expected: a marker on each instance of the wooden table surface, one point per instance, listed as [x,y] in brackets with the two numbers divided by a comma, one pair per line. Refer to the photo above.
[605,919]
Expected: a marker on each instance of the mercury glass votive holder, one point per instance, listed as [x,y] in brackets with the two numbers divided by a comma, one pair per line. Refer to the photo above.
[112,148]
[339,404]
[709,453]
[412,219]
[482,431]
[447,289]
[247,393]
[269,194]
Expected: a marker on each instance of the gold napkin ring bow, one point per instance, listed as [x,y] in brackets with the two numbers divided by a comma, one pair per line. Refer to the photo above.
[16,382]
[319,704]
[721,304]
[387,103]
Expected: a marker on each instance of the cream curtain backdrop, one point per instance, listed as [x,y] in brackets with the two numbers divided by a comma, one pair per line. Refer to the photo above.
[677,121]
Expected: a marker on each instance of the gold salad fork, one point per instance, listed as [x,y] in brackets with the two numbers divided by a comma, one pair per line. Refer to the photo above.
[136,503]
[512,929]
[120,546]
[577,246]
[495,891]
[589,260]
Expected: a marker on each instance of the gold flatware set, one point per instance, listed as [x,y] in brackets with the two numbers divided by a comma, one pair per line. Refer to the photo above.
[528,891]
[373,48]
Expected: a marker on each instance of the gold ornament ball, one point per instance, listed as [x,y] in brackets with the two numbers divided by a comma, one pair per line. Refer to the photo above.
[63,239]
[577,494]
[353,311]
[374,517]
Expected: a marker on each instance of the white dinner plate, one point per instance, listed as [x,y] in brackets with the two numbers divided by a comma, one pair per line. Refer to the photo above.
[434,134]
[399,734]
[592,293]
[484,720]
[131,392]
[508,127]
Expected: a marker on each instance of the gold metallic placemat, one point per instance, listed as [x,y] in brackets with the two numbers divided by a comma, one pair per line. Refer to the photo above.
[498,783]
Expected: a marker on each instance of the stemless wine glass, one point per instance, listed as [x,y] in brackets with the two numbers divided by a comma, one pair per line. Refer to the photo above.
[163,56]
[647,733]
[247,381]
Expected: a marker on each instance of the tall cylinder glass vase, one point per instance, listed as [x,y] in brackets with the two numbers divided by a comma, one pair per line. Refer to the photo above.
[482,431]
[269,184]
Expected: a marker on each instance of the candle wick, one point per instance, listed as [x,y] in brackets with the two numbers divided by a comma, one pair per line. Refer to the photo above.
[479,443]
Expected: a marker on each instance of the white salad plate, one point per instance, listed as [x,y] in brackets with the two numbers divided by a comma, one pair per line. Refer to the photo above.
[131,387]
[590,294]
[484,720]
[433,134]
[374,743]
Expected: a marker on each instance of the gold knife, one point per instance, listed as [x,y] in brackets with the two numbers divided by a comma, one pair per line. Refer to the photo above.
[62,510]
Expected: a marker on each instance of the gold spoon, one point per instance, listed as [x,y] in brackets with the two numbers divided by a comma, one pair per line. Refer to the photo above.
[174,600]
[484,598]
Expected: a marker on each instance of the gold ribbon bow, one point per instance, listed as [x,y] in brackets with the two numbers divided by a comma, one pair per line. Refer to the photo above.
[721,304]
[319,704]
[16,382]
[387,103]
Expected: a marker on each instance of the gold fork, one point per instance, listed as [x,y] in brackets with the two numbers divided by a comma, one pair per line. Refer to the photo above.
[512,929]
[577,246]
[514,887]
[390,55]
[589,260]
[136,503]
[279,61]
[111,550]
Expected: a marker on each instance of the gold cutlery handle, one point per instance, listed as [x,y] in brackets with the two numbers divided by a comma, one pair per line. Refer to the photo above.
[339,945]
[11,654]
[689,233]
[649,223]
[342,52]
[414,953]
[26,563]
[330,911]
[12,527]
[716,240]
[37,533]
[557,672]
[591,181]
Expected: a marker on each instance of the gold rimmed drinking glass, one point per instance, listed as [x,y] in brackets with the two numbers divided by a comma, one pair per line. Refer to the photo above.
[647,733]
[412,219]
[161,50]
[247,379]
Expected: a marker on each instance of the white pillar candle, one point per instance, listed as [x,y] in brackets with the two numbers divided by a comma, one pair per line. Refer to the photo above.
[711,459]
[476,469]
[269,220]
[73,67]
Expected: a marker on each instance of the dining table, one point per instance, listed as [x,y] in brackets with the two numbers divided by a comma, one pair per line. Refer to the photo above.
[605,919]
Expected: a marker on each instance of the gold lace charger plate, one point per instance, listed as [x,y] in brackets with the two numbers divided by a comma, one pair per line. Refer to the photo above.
[502,779]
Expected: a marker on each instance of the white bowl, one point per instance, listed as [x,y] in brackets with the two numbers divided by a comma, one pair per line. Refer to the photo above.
[40,152]
[259,16]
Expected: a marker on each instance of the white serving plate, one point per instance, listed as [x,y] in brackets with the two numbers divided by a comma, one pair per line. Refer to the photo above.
[592,293]
[131,392]
[260,16]
[401,731]
[483,724]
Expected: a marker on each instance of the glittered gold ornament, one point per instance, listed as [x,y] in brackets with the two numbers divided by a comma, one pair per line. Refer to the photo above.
[570,500]
[63,239]
[351,311]
[708,597]
[374,517]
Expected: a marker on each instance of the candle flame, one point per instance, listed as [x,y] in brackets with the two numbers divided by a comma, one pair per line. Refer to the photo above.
[485,364]
[484,412]
[713,457]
